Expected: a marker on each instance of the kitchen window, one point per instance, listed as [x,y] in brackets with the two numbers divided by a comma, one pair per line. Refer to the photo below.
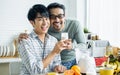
[103,18]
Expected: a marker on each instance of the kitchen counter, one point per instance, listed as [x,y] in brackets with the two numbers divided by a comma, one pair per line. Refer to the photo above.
[9,59]
[63,74]
[5,65]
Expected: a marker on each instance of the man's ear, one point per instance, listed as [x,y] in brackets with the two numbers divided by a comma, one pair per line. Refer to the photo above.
[32,22]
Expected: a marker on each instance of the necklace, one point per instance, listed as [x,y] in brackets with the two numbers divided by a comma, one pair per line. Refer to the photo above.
[43,47]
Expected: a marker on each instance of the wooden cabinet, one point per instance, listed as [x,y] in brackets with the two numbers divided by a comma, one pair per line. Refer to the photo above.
[6,66]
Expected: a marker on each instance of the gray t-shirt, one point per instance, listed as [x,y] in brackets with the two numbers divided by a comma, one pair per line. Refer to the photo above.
[75,32]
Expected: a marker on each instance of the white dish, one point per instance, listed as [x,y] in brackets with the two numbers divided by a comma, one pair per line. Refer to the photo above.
[1,50]
[8,51]
[12,50]
[4,51]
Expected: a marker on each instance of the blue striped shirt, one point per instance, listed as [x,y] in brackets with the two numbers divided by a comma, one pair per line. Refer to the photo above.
[31,52]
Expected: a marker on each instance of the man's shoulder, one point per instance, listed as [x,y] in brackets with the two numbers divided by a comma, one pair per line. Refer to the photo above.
[72,21]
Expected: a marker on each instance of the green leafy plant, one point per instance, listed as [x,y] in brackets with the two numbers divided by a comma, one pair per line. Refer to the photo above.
[86,30]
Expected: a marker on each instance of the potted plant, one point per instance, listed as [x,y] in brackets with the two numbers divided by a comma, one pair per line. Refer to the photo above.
[87,33]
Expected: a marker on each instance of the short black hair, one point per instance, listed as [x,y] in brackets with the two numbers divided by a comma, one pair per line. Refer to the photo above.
[37,9]
[55,5]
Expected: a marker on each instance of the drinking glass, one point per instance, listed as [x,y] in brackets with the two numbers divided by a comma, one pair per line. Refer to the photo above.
[109,50]
[64,35]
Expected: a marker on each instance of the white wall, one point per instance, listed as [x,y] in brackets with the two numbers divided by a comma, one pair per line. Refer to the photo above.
[81,12]
[104,20]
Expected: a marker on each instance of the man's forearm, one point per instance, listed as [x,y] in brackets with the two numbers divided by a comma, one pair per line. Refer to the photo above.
[80,46]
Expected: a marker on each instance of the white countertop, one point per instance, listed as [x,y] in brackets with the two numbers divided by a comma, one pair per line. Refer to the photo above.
[9,59]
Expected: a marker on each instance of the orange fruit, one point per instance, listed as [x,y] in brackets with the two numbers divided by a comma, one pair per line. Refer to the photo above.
[76,69]
[69,72]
